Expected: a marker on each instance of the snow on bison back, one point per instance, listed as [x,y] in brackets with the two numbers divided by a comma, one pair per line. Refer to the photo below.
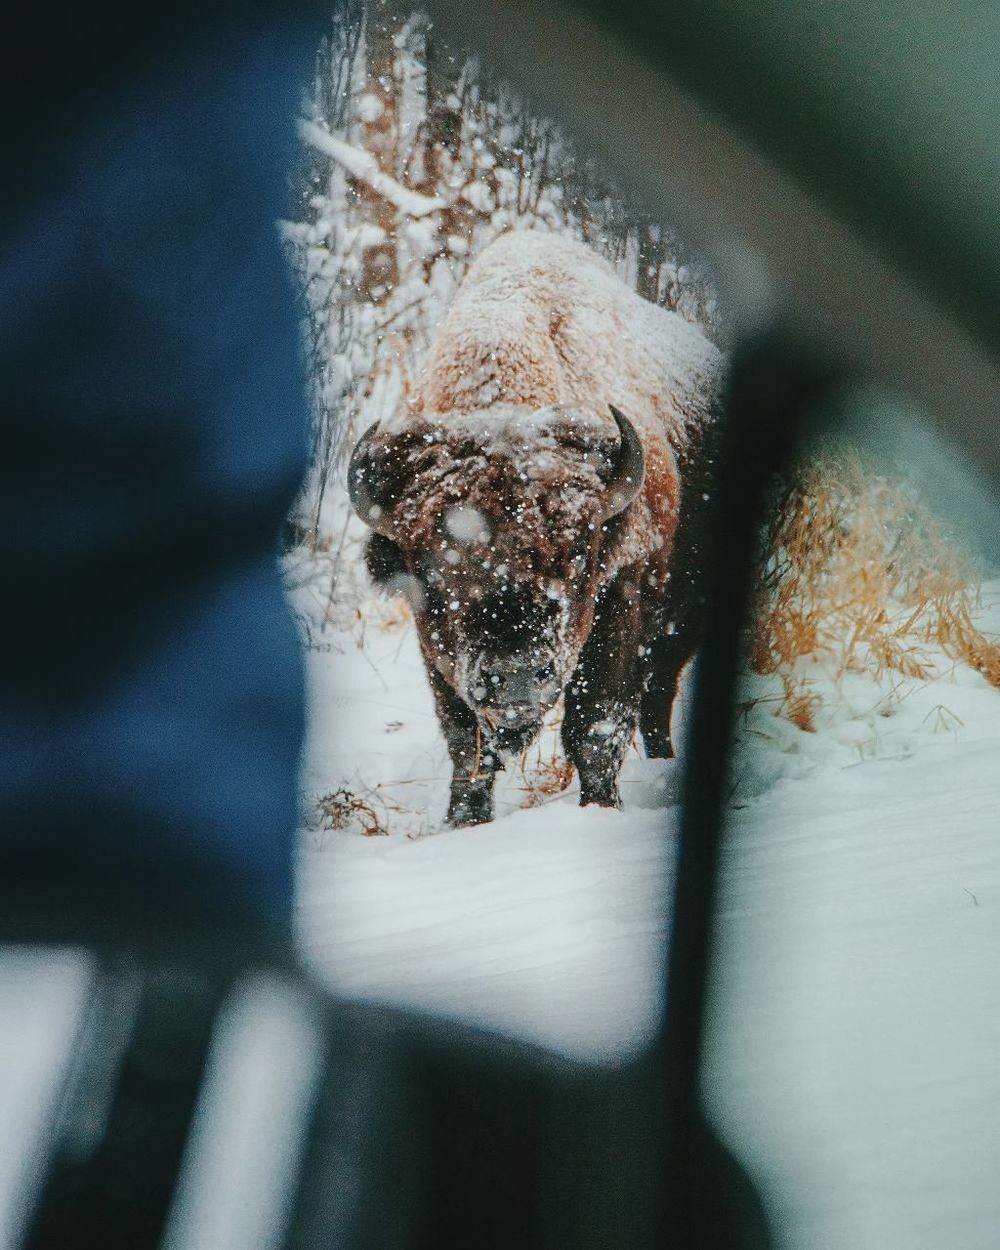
[541,500]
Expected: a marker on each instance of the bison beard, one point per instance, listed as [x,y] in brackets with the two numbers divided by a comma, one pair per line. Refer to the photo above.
[538,542]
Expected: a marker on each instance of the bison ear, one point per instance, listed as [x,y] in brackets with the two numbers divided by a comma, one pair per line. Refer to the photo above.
[630,469]
[362,474]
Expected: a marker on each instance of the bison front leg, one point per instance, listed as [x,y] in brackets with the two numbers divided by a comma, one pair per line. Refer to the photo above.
[473,764]
[602,699]
[471,800]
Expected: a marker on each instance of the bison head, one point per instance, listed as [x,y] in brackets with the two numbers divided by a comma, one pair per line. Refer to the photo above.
[497,527]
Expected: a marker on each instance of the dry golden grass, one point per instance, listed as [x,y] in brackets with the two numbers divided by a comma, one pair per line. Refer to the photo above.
[857,571]
[343,809]
[546,780]
[800,704]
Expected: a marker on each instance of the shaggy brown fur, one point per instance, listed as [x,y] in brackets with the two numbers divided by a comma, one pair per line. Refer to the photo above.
[491,498]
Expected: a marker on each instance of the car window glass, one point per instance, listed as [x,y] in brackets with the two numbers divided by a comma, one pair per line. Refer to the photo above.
[853,1034]
[496,577]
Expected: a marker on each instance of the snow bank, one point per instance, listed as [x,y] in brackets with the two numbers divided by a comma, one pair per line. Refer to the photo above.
[854,1043]
[545,924]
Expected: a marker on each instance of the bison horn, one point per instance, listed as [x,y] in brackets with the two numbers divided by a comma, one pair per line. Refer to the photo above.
[630,469]
[359,486]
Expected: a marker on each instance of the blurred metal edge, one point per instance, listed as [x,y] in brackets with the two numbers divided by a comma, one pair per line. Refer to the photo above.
[837,296]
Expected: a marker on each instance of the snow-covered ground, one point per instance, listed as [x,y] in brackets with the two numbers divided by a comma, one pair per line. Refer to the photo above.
[854,1054]
[854,1050]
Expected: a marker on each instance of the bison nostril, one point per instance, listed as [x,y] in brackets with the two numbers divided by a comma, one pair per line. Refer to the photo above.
[514,684]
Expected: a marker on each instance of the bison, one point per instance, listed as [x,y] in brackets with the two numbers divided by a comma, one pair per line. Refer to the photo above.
[540,500]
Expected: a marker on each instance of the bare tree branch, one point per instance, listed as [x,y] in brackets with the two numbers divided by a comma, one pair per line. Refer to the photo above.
[362,165]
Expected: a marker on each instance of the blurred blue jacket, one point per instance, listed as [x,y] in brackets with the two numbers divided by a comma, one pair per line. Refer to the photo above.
[151,692]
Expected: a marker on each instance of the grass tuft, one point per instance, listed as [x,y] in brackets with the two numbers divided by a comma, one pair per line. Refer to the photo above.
[855,570]
[343,809]
[546,780]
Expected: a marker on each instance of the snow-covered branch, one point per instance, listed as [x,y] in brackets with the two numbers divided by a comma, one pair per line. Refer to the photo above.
[364,167]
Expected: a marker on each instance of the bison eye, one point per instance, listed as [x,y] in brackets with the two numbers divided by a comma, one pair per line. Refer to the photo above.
[545,673]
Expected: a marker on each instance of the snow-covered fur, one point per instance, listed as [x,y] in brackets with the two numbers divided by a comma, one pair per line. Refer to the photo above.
[489,495]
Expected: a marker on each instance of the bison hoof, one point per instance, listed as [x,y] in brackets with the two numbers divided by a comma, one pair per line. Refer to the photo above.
[469,805]
[602,795]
